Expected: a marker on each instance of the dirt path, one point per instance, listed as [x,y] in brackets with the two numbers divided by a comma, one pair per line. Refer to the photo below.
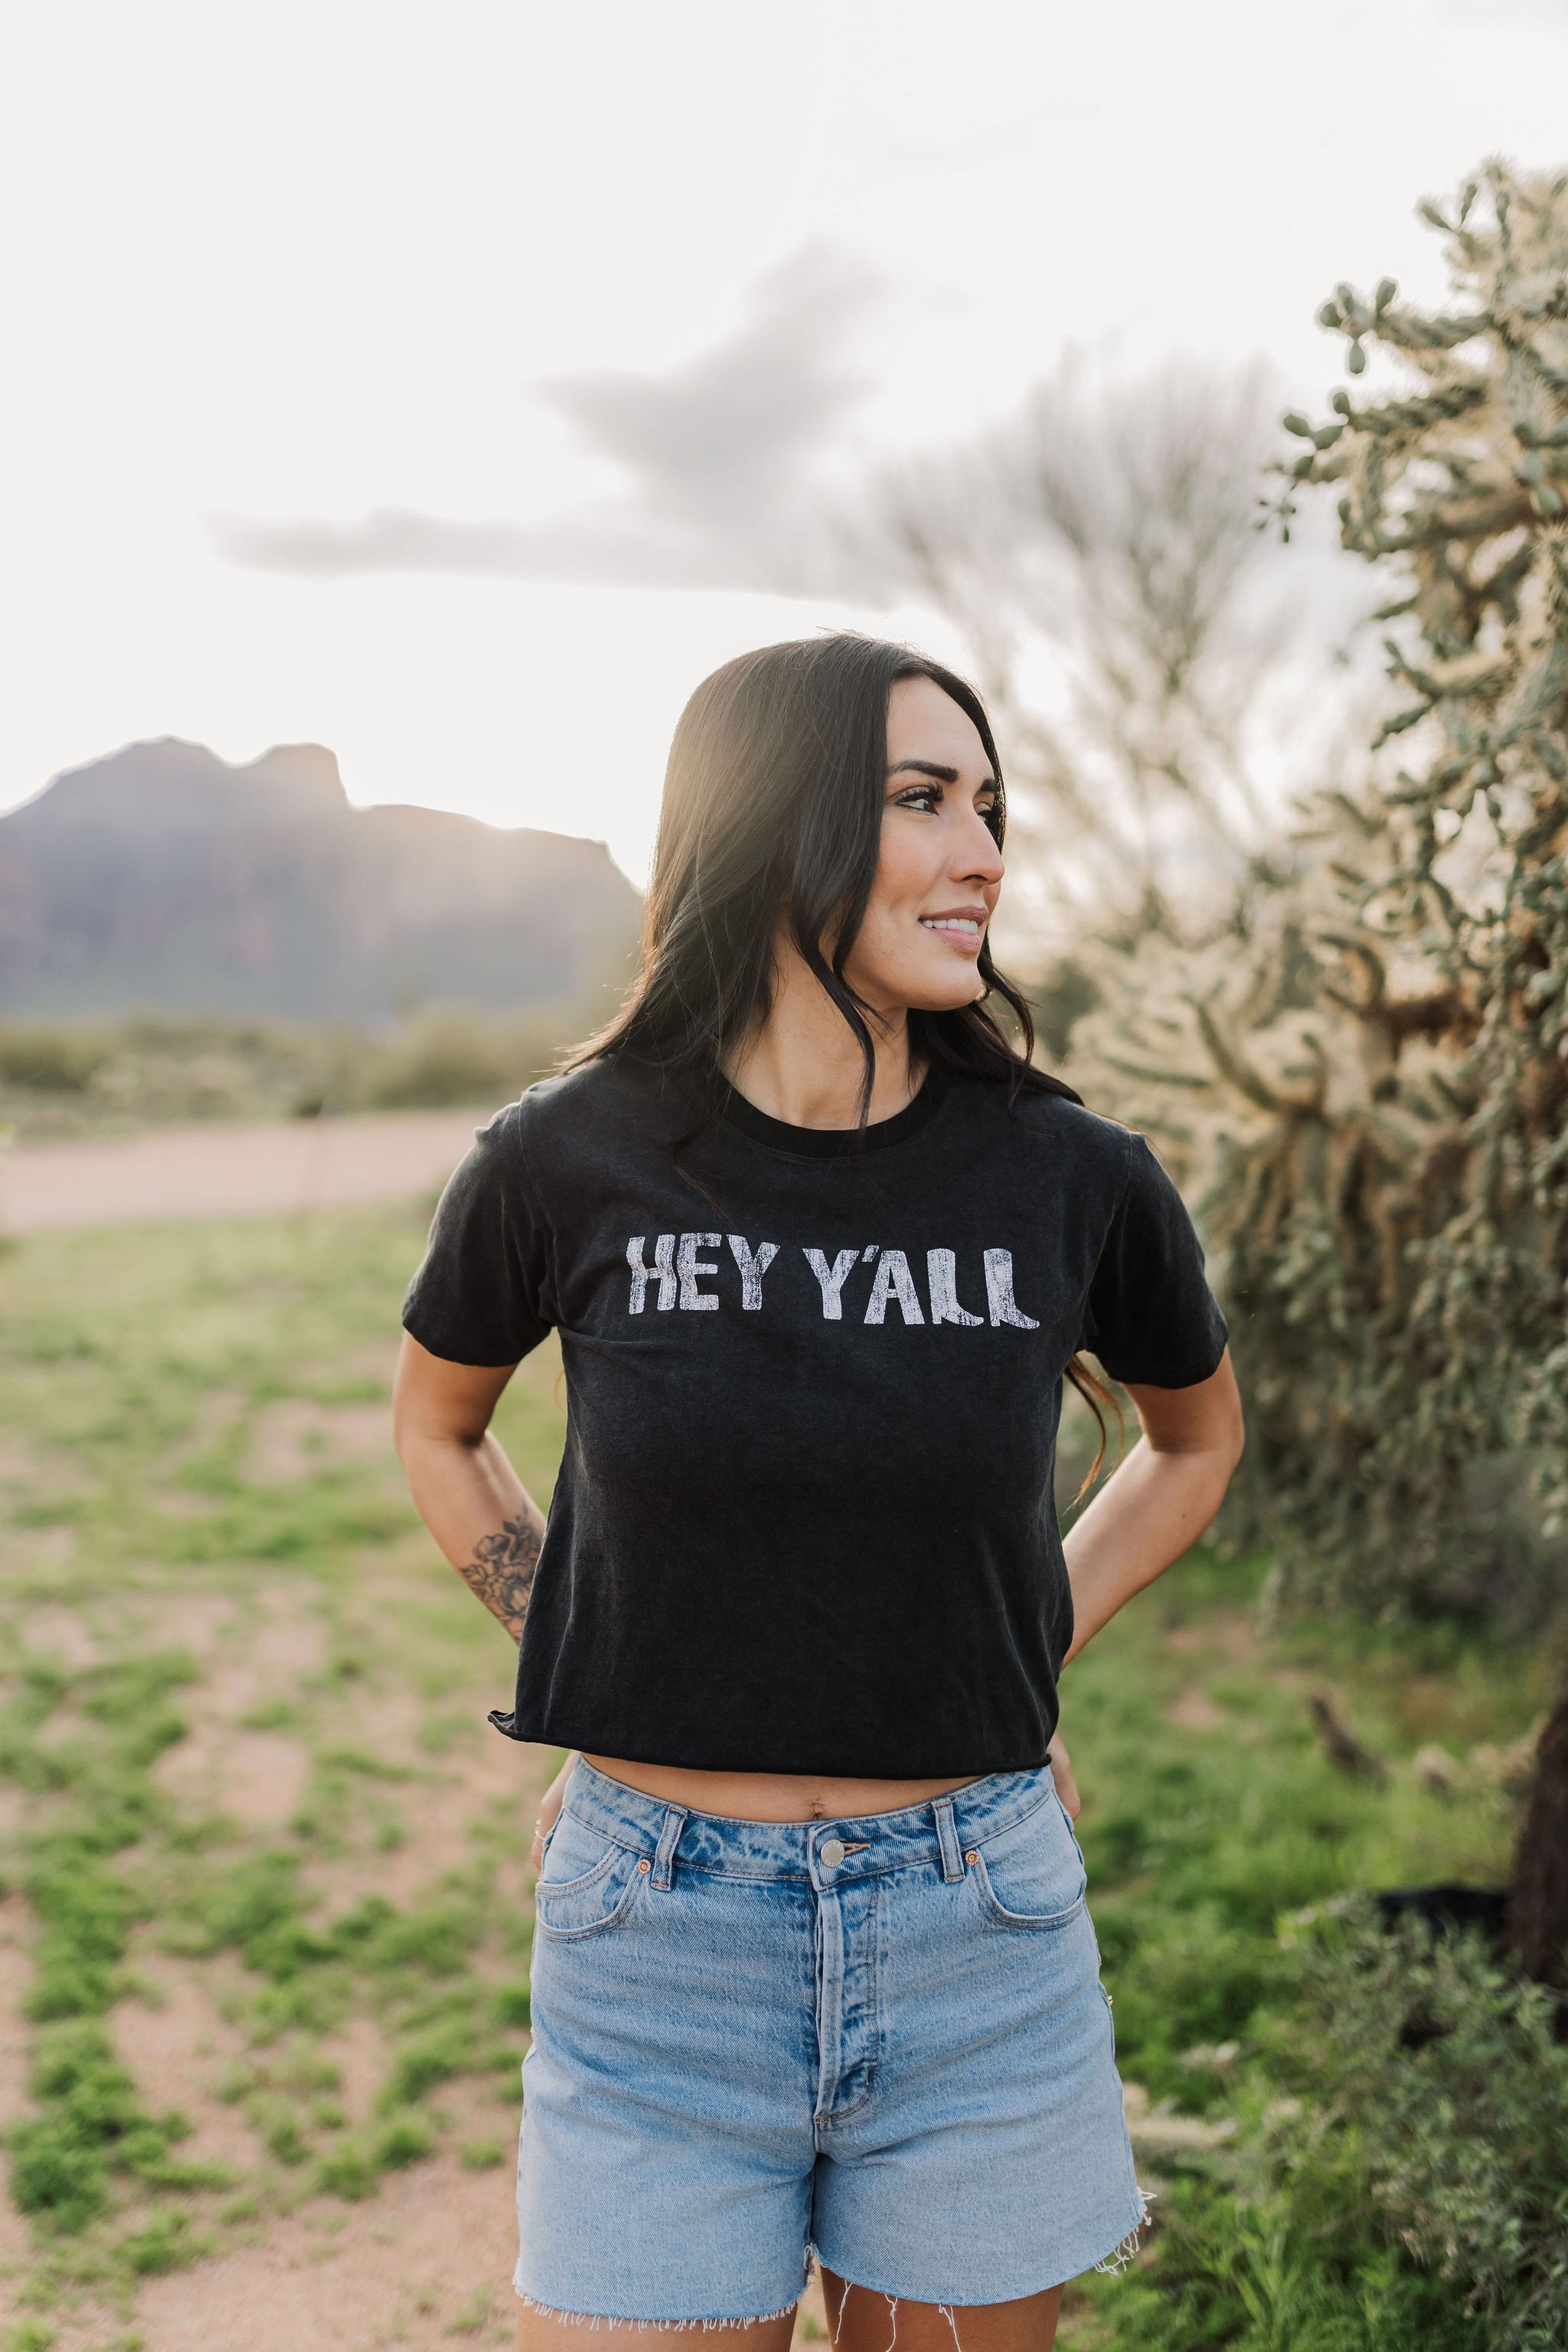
[275,1167]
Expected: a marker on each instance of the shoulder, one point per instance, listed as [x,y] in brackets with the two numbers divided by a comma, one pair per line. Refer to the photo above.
[608,1105]
[611,1088]
[1040,1121]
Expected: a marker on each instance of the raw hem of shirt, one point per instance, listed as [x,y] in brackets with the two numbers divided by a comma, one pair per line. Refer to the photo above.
[504,1720]
[592,2319]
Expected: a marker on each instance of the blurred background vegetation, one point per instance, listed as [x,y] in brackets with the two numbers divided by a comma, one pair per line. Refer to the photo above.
[62,1079]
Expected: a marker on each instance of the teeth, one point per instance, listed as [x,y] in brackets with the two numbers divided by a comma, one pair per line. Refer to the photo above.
[948,923]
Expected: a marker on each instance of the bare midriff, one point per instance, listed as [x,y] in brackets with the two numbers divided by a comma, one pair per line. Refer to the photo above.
[772,1796]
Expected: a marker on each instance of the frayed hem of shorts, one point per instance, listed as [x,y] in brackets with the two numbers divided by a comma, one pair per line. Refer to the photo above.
[592,2319]
[1120,2257]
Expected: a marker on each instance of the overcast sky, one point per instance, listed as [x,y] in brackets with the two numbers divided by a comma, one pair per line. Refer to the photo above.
[456,385]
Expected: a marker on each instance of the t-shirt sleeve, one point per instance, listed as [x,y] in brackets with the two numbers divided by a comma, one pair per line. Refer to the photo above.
[1151,1317]
[479,1295]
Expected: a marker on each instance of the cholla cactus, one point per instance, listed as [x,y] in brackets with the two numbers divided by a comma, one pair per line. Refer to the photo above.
[1367,1073]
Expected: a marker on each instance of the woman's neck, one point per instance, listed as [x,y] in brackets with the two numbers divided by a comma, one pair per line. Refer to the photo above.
[803,1065]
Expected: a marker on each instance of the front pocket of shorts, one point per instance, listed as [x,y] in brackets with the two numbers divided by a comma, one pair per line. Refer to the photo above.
[588,1884]
[1031,1875]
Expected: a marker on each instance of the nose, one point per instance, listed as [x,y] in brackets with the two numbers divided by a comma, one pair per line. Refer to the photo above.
[979,857]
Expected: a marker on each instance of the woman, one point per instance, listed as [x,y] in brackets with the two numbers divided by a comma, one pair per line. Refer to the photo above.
[812,1966]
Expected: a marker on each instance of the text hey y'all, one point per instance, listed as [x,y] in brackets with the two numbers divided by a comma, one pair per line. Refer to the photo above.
[682,1262]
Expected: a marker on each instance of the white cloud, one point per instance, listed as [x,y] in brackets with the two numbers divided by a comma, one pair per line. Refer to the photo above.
[719,455]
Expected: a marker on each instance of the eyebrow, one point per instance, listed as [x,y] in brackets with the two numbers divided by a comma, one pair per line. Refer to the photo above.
[940,774]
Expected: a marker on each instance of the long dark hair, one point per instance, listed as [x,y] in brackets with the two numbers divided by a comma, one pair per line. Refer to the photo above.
[773,806]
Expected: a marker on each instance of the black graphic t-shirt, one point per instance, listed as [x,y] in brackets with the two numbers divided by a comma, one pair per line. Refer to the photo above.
[805,1519]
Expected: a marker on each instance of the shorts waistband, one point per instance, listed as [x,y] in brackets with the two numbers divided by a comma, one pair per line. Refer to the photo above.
[857,1845]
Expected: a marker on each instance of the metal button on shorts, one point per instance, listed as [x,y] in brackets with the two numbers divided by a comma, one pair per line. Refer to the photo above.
[831,1852]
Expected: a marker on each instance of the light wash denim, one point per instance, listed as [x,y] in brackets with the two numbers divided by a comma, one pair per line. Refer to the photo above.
[883,2038]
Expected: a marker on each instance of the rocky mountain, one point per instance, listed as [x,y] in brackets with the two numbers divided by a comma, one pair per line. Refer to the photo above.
[164,879]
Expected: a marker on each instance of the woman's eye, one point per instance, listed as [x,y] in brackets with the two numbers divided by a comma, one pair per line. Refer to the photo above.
[921,796]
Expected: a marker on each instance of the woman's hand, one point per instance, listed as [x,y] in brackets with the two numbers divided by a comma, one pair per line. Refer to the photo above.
[1062,1773]
[549,1812]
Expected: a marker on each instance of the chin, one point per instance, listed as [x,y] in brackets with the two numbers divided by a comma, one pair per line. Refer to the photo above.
[919,989]
[962,988]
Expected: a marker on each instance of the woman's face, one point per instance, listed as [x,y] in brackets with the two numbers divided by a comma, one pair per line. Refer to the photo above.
[940,872]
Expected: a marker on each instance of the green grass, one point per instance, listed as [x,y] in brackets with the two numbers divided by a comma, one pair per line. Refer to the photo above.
[210,1556]
[1202,1835]
[206,1542]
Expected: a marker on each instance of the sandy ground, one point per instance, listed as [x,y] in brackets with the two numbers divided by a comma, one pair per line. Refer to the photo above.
[425,2264]
[275,1167]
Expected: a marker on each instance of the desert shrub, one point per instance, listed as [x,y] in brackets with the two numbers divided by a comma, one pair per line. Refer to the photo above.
[59,1077]
[1409,2193]
[1279,2271]
[1363,1070]
[453,1058]
[1443,2063]
[51,1059]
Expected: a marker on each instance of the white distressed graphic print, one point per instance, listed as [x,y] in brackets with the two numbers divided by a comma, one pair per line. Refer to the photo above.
[662,1270]
[752,1268]
[676,1271]
[892,1281]
[943,1277]
[999,1291]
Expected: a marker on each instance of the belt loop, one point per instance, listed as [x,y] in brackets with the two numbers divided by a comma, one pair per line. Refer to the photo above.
[947,1839]
[668,1839]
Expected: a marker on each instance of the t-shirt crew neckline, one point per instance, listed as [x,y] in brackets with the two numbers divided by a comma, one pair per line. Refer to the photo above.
[832,1142]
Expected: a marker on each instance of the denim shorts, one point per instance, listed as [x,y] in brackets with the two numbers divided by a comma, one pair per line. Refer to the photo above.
[882,2039]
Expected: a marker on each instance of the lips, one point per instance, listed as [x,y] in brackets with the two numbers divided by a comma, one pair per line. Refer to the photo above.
[962,924]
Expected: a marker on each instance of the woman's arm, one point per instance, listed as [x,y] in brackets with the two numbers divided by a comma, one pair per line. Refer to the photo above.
[1159,1500]
[471,1497]
[464,1488]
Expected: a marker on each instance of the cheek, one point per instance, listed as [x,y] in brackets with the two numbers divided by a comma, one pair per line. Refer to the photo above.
[907,870]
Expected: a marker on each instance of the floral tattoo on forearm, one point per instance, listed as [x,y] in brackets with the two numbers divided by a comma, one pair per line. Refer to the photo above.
[501,1570]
